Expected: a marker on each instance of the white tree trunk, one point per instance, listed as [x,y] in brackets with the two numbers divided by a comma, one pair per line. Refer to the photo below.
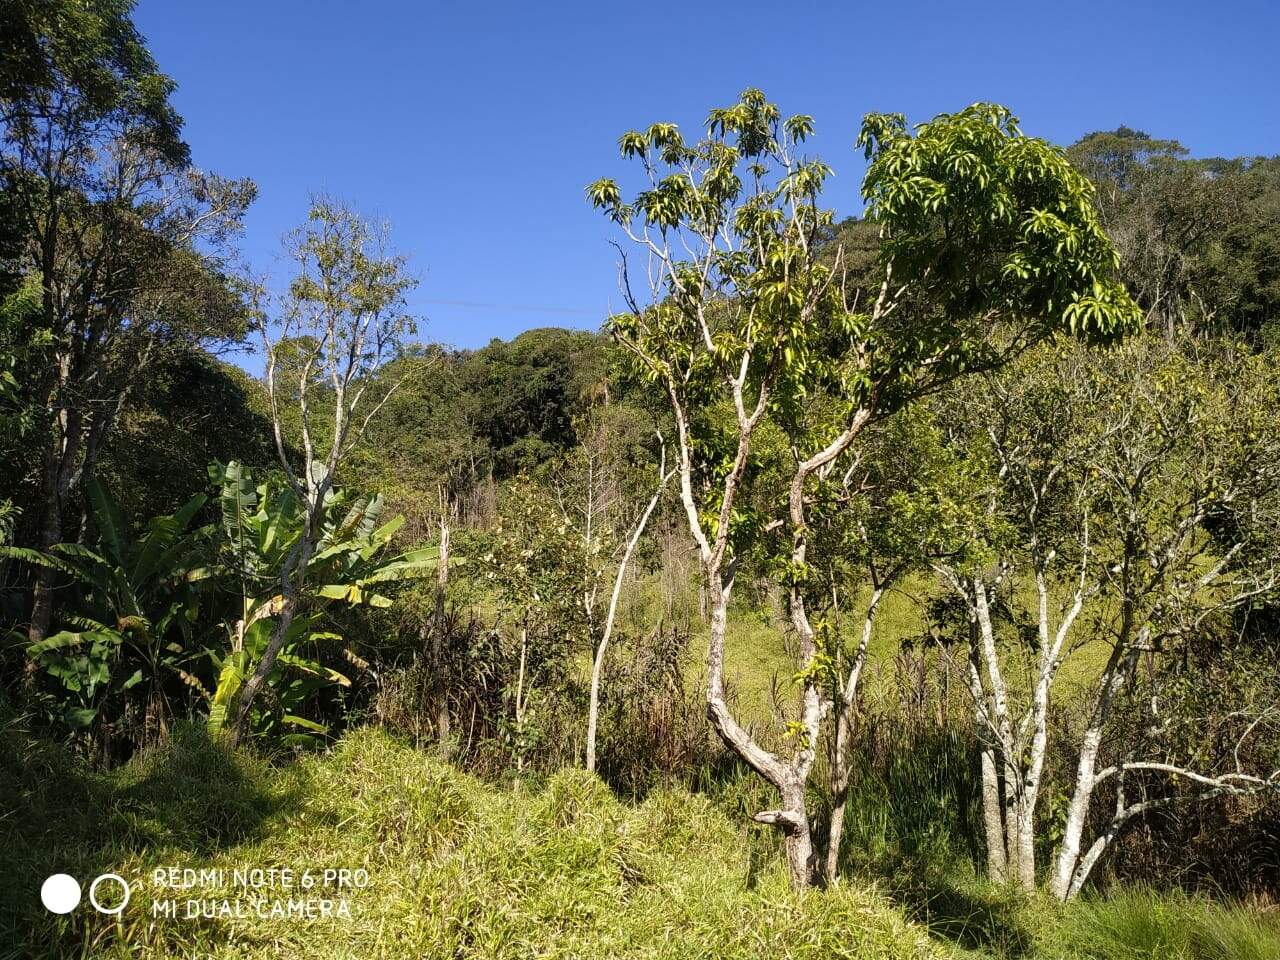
[844,732]
[1068,855]
[439,686]
[992,820]
[597,665]
[1067,860]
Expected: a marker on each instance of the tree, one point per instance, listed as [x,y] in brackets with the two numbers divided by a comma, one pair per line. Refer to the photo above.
[873,526]
[263,530]
[132,625]
[989,242]
[342,319]
[122,234]
[534,568]
[521,396]
[1130,493]
[20,415]
[1197,237]
[465,418]
[191,410]
[597,491]
[1020,447]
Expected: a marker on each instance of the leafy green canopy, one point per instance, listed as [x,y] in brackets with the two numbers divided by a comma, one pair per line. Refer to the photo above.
[987,221]
[51,47]
[989,241]
[1199,239]
[756,331]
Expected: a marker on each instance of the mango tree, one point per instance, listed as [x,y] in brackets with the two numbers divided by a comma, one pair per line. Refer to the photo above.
[989,242]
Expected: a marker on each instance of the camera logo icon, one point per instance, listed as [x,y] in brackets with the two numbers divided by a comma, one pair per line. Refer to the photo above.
[60,893]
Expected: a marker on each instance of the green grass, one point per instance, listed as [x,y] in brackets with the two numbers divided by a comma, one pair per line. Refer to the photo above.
[460,868]
[457,868]
[756,661]
[1138,924]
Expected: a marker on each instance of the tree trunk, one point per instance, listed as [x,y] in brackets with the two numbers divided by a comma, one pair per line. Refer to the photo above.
[593,707]
[49,533]
[1119,666]
[439,684]
[844,706]
[801,860]
[520,702]
[991,754]
[793,817]
[839,797]
[55,488]
[1026,848]
[593,710]
[831,870]
[993,822]
[1069,849]
[793,820]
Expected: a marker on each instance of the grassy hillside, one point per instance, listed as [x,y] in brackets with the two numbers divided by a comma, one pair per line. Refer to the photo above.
[757,662]
[455,868]
[459,868]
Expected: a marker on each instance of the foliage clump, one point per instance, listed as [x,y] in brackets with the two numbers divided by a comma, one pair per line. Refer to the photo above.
[456,868]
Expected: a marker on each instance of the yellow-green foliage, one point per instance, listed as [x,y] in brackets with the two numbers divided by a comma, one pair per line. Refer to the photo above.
[1141,924]
[461,869]
[457,868]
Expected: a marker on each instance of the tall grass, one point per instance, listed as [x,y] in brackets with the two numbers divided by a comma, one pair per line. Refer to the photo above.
[462,868]
[1141,924]
[458,868]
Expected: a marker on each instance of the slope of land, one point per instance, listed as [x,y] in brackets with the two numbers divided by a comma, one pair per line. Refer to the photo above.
[454,867]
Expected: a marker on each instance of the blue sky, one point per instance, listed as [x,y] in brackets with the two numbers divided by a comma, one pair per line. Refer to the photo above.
[475,126]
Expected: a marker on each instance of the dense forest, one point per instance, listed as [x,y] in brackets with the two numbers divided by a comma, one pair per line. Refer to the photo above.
[904,585]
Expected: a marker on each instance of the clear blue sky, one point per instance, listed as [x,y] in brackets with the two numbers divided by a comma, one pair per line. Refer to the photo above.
[475,126]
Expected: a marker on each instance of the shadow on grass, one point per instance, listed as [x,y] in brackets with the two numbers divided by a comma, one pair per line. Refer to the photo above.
[959,909]
[191,799]
[196,795]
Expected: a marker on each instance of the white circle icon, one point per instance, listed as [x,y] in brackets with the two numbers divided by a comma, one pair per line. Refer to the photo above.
[60,893]
[93,893]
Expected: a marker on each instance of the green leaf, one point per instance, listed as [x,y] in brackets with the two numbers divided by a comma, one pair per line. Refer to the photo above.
[297,721]
[80,716]
[67,638]
[109,523]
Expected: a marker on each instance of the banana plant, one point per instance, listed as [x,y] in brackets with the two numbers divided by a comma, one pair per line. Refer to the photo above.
[262,524]
[136,609]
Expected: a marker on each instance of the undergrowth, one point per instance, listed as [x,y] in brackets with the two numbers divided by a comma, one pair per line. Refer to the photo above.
[457,868]
[555,869]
